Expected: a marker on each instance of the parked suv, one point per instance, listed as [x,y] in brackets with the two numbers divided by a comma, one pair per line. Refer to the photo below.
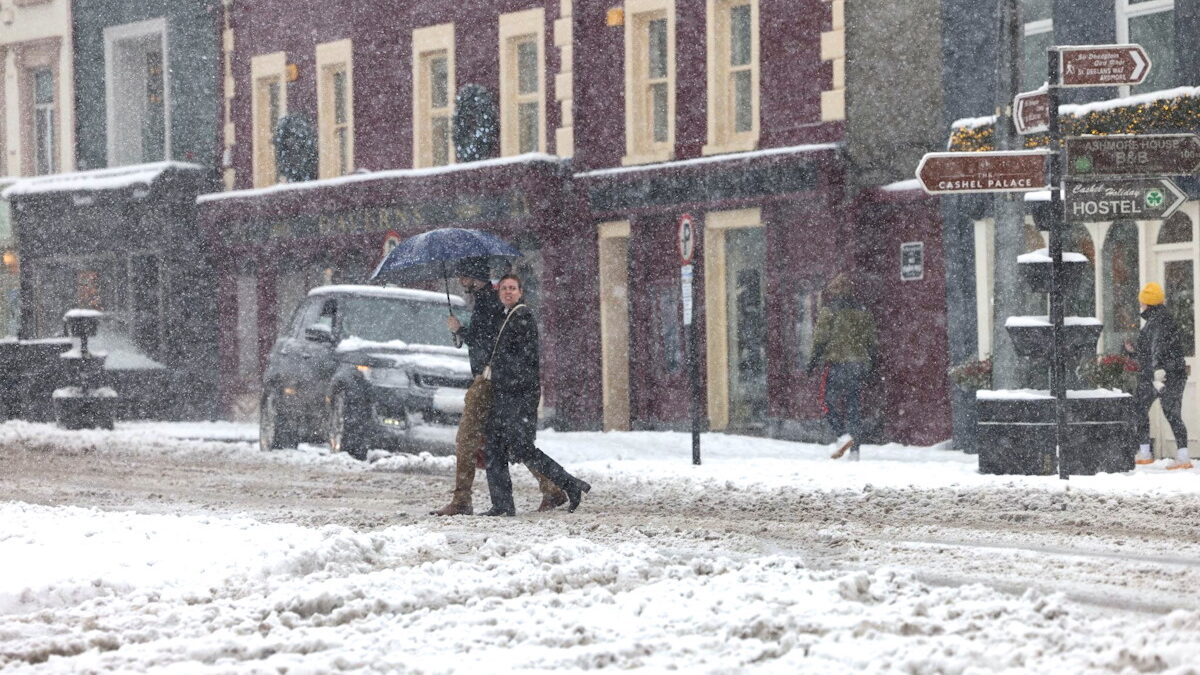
[365,366]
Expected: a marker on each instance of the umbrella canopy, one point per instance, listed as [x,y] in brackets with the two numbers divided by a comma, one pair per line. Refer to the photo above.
[433,254]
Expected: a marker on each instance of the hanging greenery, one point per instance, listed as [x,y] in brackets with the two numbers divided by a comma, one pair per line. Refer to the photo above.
[476,124]
[295,148]
[1180,114]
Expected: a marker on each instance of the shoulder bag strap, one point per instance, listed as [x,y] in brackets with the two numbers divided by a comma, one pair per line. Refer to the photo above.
[501,332]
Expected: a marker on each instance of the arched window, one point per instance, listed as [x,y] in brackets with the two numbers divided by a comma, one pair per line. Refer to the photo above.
[1081,300]
[1176,230]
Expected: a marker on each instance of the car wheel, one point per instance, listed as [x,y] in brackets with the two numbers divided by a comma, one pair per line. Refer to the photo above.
[345,431]
[274,431]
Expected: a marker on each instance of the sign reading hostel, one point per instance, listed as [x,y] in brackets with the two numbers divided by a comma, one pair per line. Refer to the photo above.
[1144,155]
[1102,65]
[1105,200]
[1006,171]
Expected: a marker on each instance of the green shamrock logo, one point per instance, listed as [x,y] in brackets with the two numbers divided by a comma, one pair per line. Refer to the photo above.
[1154,198]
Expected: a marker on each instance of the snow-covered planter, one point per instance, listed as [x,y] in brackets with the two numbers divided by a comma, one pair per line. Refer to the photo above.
[1034,269]
[77,408]
[1033,335]
[1016,432]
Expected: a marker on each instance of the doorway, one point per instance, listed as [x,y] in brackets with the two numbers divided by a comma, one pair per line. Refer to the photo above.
[614,323]
[1173,265]
[735,307]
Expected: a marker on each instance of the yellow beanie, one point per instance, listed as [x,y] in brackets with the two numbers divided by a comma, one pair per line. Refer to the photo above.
[1152,294]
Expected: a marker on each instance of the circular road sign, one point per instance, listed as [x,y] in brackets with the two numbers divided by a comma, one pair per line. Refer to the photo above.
[687,238]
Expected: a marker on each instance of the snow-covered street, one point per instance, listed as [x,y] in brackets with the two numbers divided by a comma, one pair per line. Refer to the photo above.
[182,548]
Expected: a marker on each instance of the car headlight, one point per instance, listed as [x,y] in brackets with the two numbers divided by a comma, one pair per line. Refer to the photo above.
[385,377]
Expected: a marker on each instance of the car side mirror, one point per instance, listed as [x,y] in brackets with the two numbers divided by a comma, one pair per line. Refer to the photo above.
[319,333]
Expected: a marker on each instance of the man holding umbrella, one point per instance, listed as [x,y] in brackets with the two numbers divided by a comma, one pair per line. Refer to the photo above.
[480,337]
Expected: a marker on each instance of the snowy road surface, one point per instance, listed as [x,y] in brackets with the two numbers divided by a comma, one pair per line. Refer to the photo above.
[145,549]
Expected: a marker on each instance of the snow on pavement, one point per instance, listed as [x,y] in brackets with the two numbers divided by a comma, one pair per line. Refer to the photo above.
[86,590]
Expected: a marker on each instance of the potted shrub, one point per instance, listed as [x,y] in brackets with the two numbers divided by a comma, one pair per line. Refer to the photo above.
[967,377]
[1109,371]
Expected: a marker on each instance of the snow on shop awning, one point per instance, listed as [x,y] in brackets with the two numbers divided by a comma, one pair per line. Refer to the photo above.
[1157,111]
[124,177]
[367,176]
[730,157]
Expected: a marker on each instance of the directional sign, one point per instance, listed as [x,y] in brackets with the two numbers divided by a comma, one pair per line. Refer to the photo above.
[959,172]
[1145,155]
[1102,65]
[1105,200]
[1031,111]
[686,239]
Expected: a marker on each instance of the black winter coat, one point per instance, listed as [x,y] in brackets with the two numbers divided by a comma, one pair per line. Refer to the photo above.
[1159,344]
[516,385]
[480,335]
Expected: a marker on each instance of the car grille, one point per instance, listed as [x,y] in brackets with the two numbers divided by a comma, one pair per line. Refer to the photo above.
[433,381]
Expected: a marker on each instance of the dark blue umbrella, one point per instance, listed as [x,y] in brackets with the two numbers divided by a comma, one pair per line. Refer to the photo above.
[433,254]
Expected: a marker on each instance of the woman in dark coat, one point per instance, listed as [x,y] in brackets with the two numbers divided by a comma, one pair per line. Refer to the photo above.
[512,422]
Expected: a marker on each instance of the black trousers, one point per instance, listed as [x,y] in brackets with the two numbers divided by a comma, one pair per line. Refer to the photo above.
[511,429]
[1171,398]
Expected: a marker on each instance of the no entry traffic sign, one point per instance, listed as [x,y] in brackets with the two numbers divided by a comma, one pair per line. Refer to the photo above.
[686,239]
[960,172]
[1102,65]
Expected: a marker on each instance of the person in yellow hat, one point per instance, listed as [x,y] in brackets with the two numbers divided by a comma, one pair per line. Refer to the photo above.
[1160,346]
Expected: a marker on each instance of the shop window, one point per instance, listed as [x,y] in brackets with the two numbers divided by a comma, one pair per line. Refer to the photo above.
[268,105]
[247,328]
[44,142]
[808,304]
[1119,277]
[522,94]
[1038,19]
[1150,23]
[136,93]
[433,95]
[1179,284]
[335,108]
[733,75]
[669,343]
[649,81]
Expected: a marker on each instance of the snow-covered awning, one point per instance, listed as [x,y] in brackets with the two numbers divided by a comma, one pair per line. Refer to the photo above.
[116,178]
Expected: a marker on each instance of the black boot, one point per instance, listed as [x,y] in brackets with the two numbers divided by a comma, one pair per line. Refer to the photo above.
[497,511]
[575,493]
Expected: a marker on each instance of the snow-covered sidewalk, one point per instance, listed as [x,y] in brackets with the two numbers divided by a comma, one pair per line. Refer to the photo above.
[89,590]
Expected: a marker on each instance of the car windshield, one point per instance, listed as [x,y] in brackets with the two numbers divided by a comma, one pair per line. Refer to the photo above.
[387,319]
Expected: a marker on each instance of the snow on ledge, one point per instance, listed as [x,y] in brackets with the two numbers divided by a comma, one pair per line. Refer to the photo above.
[1042,255]
[99,179]
[1028,321]
[1084,109]
[730,157]
[1044,394]
[527,158]
[83,314]
[903,185]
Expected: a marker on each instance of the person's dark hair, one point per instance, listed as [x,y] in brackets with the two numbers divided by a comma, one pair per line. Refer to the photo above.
[515,278]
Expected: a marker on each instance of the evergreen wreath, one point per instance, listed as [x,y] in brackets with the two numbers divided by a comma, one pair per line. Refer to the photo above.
[295,148]
[476,132]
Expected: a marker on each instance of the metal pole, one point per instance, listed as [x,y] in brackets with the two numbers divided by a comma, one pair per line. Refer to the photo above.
[694,370]
[1057,222]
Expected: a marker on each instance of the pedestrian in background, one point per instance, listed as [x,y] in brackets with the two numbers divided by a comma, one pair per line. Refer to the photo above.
[1160,347]
[514,371]
[845,343]
[487,313]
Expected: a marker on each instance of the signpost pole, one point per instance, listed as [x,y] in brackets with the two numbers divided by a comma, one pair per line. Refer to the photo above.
[686,240]
[694,376]
[1057,223]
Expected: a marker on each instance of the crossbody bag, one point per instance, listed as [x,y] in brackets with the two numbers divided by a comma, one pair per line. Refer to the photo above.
[487,370]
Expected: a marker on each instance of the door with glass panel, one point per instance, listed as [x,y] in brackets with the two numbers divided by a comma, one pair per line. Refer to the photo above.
[1173,264]
[745,251]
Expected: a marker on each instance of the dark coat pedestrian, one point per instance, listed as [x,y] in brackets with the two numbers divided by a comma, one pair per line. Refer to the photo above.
[516,390]
[1160,346]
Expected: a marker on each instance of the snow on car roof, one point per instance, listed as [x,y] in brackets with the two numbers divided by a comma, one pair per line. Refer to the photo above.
[387,292]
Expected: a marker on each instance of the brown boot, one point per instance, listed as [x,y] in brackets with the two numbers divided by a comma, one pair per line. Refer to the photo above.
[552,501]
[453,509]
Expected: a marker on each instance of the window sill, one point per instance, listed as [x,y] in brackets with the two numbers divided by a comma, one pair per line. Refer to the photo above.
[650,157]
[738,145]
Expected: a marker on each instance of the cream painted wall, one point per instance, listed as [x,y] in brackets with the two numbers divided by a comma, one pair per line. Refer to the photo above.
[28,23]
